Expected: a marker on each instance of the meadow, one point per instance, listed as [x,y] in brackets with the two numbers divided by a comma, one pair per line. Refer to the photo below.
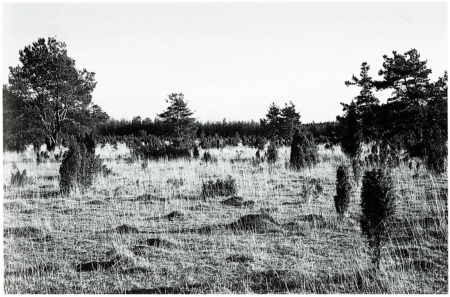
[145,228]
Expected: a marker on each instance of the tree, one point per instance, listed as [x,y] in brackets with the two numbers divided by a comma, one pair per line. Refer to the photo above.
[271,122]
[351,138]
[56,97]
[414,119]
[177,118]
[289,120]
[417,111]
[281,123]
[17,134]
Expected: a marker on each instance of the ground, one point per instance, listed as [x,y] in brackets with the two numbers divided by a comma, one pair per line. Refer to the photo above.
[148,230]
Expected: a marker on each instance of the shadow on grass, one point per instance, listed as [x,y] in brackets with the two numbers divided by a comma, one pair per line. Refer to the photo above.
[95,265]
[283,281]
[186,289]
[27,231]
[32,271]
[261,223]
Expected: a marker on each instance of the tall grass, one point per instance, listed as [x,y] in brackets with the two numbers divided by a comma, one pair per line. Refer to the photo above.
[325,256]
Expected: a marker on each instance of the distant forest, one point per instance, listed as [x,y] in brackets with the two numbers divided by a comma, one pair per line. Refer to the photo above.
[322,132]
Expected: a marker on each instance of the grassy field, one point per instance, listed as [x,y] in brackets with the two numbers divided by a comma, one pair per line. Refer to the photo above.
[147,230]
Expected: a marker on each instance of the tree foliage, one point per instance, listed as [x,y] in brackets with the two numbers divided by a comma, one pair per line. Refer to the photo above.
[281,123]
[177,118]
[55,98]
[413,119]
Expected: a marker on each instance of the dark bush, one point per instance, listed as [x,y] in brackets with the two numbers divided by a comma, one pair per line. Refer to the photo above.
[79,166]
[260,143]
[196,152]
[225,187]
[304,150]
[378,207]
[18,179]
[208,158]
[41,157]
[272,153]
[343,190]
[107,171]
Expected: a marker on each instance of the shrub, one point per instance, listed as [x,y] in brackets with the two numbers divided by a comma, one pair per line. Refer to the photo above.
[311,189]
[107,171]
[129,160]
[260,143]
[79,166]
[41,157]
[343,190]
[272,153]
[208,158]
[153,147]
[18,179]
[304,151]
[225,187]
[196,152]
[177,182]
[378,206]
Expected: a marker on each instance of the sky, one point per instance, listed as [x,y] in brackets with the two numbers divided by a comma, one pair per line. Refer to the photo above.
[230,60]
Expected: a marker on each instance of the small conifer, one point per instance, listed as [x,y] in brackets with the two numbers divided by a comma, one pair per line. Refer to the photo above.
[343,190]
[304,151]
[378,206]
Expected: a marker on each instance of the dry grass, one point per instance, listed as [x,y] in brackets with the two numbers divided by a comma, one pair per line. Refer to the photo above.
[69,243]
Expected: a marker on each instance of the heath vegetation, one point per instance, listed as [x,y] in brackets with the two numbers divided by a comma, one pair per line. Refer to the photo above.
[93,205]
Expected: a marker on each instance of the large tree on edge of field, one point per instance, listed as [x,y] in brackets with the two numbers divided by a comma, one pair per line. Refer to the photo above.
[414,118]
[271,122]
[417,110]
[55,96]
[281,123]
[177,118]
[289,121]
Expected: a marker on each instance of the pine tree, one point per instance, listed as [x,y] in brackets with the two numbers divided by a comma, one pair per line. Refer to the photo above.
[177,118]
[288,122]
[271,122]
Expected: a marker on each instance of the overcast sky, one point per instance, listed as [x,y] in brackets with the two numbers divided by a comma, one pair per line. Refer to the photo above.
[231,60]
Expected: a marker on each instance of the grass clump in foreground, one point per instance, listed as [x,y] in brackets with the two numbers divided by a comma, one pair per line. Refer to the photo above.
[221,187]
[180,243]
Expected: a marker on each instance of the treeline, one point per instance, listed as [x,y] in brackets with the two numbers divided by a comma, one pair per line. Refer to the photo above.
[48,100]
[242,131]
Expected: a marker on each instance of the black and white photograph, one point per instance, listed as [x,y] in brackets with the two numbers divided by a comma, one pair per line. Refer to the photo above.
[225,147]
